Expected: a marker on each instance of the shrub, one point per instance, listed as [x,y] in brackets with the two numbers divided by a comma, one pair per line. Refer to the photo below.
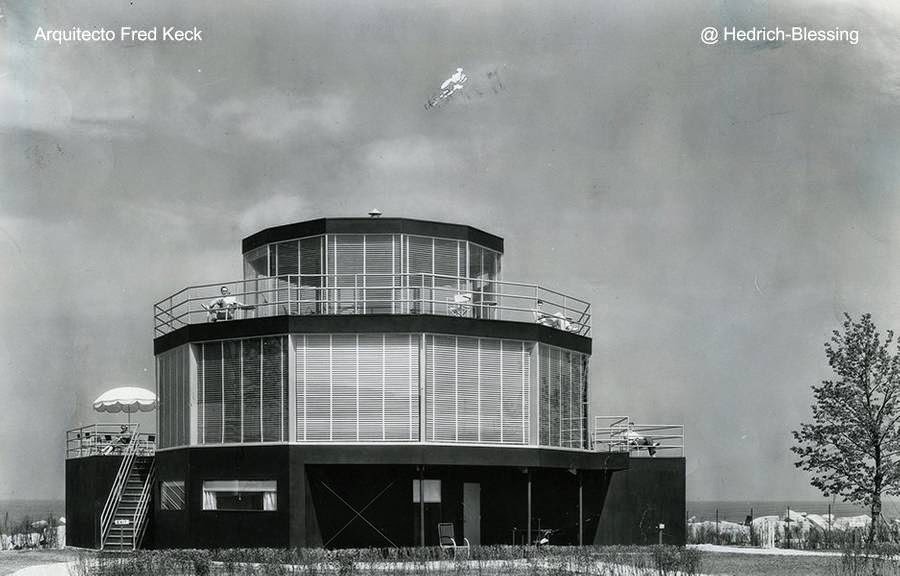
[483,560]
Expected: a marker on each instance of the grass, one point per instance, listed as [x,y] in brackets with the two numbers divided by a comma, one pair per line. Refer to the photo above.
[13,560]
[758,565]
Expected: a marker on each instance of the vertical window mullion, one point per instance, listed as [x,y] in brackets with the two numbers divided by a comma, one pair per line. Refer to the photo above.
[305,390]
[456,389]
[281,385]
[241,385]
[502,384]
[365,304]
[478,381]
[330,387]
[433,374]
[357,385]
[572,400]
[222,435]
[559,403]
[261,390]
[524,399]
[409,366]
[201,412]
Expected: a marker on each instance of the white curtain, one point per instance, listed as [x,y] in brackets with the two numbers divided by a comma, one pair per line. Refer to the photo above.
[209,500]
[270,501]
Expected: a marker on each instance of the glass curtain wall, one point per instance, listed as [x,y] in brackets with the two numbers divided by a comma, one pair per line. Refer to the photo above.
[374,274]
[364,273]
[173,391]
[256,269]
[242,390]
[563,397]
[357,387]
[477,390]
[442,266]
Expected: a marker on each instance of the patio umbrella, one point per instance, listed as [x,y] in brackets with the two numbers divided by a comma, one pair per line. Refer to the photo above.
[128,399]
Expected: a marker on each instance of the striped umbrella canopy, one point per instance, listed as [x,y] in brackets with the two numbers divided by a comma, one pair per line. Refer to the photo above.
[128,399]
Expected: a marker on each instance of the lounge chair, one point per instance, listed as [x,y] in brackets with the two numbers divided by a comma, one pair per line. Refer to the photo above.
[460,305]
[447,540]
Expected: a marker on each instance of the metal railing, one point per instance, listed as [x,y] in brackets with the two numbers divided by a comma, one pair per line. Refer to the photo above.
[315,294]
[115,493]
[108,440]
[140,513]
[621,434]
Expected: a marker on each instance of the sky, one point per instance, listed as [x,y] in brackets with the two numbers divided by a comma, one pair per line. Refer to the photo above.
[720,205]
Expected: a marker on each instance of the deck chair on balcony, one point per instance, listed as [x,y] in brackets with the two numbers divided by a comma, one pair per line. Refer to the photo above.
[460,305]
[447,540]
[542,317]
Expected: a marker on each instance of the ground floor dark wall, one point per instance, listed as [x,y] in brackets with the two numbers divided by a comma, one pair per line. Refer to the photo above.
[194,527]
[88,482]
[651,492]
[330,499]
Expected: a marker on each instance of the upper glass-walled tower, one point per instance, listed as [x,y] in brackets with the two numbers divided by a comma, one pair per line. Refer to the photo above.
[371,270]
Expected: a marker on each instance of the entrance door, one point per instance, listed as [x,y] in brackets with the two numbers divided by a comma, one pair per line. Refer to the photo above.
[472,512]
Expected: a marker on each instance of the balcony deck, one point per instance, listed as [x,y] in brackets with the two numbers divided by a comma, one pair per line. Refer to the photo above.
[621,434]
[107,440]
[355,294]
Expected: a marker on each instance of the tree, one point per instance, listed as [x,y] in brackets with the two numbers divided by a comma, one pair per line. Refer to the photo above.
[852,446]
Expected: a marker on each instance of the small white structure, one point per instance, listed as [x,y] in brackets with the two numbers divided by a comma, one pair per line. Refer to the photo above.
[766,529]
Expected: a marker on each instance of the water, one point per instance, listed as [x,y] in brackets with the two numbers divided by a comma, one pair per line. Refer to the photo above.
[18,510]
[737,511]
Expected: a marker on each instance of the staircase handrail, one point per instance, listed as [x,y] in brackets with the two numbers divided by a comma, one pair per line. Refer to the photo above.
[115,493]
[140,513]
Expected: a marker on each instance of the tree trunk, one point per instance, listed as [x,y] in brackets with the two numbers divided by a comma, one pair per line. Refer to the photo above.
[875,510]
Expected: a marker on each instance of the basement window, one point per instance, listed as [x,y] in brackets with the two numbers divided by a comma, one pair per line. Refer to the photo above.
[171,495]
[240,495]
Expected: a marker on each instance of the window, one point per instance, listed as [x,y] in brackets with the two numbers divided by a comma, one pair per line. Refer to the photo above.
[357,387]
[563,397]
[431,491]
[171,495]
[243,390]
[477,390]
[240,495]
[256,263]
[173,388]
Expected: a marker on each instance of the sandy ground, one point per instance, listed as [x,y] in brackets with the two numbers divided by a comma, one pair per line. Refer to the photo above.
[16,561]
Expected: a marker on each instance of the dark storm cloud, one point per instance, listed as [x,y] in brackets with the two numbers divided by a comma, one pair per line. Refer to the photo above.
[720,206]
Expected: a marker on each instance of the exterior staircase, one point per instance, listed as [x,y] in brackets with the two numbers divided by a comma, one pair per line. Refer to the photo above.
[125,515]
[128,523]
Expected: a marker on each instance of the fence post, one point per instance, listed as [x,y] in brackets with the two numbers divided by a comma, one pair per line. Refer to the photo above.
[788,528]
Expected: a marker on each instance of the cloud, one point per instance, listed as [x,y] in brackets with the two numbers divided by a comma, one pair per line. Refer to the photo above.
[67,95]
[280,208]
[276,115]
[413,153]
